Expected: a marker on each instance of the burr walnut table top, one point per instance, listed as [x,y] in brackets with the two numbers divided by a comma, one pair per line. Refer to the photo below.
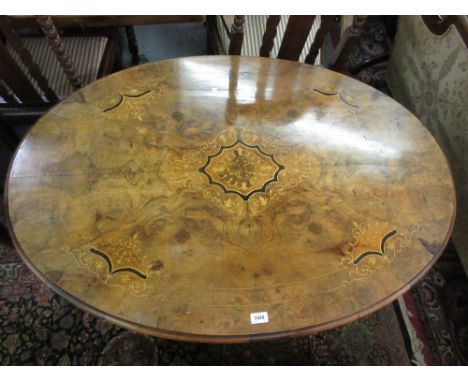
[179,197]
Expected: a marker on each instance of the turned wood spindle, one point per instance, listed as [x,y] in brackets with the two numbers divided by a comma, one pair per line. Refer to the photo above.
[325,25]
[295,36]
[269,35]
[237,35]
[17,44]
[48,27]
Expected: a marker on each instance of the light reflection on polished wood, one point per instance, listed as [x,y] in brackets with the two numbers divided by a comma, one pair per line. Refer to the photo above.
[177,198]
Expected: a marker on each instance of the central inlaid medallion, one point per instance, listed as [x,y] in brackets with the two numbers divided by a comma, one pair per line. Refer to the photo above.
[242,169]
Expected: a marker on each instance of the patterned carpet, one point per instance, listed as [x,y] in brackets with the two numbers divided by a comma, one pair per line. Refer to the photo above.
[429,325]
[37,327]
[438,306]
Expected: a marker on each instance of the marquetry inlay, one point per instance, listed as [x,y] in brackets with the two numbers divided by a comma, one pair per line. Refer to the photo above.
[241,169]
[181,197]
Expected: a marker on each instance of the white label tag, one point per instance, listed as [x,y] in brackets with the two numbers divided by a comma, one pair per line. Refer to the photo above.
[259,318]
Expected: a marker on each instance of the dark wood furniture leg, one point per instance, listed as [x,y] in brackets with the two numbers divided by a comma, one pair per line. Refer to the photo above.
[8,136]
[295,36]
[213,37]
[269,35]
[132,44]
[5,236]
[237,35]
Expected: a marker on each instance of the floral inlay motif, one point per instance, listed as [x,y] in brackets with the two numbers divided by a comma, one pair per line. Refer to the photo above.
[122,256]
[242,169]
[374,246]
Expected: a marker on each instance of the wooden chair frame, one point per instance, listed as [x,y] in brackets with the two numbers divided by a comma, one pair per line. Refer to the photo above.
[32,105]
[297,31]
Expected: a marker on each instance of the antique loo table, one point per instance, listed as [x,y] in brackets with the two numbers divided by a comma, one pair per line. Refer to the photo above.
[229,199]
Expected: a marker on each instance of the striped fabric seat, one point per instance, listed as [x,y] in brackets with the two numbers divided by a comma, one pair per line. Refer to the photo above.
[254,28]
[85,53]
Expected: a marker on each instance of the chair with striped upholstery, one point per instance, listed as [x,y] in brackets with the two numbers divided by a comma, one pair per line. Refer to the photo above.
[37,72]
[298,38]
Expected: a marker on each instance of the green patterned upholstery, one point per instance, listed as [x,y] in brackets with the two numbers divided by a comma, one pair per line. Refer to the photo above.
[429,75]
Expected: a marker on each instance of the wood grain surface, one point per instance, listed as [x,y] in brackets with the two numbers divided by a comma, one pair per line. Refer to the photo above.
[178,197]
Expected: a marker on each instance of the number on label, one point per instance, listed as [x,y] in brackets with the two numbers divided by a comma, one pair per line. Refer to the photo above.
[259,318]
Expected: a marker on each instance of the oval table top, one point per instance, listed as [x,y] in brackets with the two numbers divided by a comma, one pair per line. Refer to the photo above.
[229,199]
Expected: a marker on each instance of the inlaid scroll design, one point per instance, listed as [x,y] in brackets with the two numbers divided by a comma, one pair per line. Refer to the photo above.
[134,94]
[131,102]
[339,94]
[268,182]
[110,265]
[120,263]
[375,253]
[374,246]
[241,169]
[122,256]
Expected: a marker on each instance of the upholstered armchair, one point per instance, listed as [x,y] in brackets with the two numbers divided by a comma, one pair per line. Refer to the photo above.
[428,73]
